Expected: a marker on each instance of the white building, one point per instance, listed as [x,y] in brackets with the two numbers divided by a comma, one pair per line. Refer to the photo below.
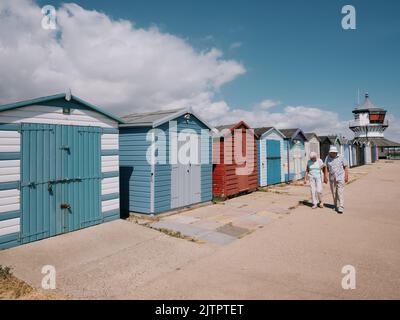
[368,126]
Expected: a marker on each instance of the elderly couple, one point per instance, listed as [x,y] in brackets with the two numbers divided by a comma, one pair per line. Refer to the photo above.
[335,170]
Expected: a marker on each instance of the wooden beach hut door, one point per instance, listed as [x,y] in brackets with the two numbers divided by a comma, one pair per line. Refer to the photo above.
[273,162]
[296,161]
[242,179]
[263,162]
[186,176]
[60,185]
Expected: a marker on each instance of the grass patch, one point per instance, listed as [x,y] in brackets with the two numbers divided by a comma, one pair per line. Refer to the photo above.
[218,200]
[271,190]
[12,288]
[176,234]
[5,272]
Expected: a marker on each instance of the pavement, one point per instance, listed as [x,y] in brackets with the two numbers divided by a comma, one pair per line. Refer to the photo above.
[238,217]
[108,261]
[265,245]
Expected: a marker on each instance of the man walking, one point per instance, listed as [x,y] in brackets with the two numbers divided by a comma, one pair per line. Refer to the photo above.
[337,168]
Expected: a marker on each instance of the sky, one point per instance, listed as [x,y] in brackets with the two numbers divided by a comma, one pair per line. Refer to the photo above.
[281,63]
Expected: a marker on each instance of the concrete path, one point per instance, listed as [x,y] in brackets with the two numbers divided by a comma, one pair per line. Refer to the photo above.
[292,251]
[301,255]
[108,261]
[238,217]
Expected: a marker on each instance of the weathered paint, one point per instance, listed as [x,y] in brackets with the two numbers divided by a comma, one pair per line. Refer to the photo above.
[297,161]
[226,180]
[135,170]
[147,188]
[71,176]
[312,145]
[296,158]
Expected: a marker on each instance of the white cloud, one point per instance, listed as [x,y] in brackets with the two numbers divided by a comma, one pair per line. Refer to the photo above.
[268,104]
[393,132]
[110,63]
[310,119]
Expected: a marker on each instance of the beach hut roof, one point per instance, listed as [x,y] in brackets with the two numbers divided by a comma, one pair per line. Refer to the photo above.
[310,135]
[157,118]
[264,130]
[292,133]
[232,126]
[57,97]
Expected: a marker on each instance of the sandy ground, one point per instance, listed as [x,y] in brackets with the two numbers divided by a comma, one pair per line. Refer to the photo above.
[290,251]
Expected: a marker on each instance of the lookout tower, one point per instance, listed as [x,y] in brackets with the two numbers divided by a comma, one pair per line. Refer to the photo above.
[369,121]
[369,125]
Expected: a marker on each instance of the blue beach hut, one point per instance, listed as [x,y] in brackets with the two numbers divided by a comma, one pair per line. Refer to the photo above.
[153,179]
[295,147]
[271,155]
[58,168]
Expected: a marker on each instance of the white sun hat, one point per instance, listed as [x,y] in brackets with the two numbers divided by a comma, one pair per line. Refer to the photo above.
[333,149]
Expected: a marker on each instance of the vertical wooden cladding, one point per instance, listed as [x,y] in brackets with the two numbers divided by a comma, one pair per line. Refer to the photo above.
[229,173]
[69,175]
[58,172]
[167,184]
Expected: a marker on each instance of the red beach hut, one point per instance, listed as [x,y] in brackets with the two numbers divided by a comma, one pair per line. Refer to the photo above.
[235,168]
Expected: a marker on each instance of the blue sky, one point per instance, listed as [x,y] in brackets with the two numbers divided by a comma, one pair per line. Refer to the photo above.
[292,54]
[294,51]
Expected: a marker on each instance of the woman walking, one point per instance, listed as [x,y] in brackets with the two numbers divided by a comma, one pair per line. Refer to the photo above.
[314,175]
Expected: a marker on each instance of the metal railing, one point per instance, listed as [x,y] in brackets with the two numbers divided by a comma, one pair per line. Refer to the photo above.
[357,123]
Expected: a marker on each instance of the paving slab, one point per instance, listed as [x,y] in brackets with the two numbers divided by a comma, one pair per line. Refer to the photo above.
[279,210]
[266,213]
[246,223]
[207,224]
[233,231]
[185,219]
[185,229]
[217,238]
[207,211]
[259,219]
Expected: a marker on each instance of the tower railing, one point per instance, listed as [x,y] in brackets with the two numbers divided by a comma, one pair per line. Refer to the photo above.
[358,123]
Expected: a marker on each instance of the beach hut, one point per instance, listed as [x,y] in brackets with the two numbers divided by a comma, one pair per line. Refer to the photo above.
[360,152]
[345,149]
[312,144]
[374,152]
[347,152]
[272,156]
[327,141]
[165,161]
[353,151]
[58,168]
[295,145]
[235,167]
[368,153]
